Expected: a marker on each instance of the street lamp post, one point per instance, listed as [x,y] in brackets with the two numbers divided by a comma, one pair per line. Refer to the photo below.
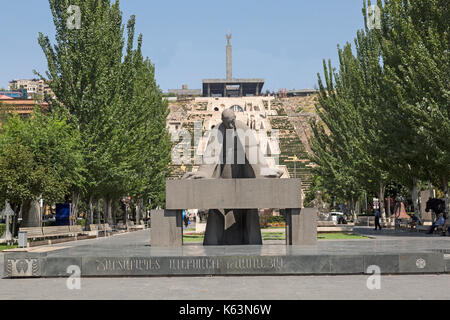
[295,160]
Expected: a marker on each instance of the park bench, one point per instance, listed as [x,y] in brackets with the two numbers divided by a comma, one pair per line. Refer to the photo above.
[33,233]
[445,226]
[366,221]
[422,228]
[57,234]
[61,231]
[326,223]
[131,226]
[332,226]
[100,227]
[440,229]
[105,228]
[402,224]
[121,226]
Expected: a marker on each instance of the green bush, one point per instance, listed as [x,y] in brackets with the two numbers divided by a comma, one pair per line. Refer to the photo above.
[81,222]
[2,229]
[265,221]
[277,219]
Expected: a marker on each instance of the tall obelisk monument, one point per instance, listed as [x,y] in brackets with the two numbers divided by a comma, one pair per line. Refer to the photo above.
[229,57]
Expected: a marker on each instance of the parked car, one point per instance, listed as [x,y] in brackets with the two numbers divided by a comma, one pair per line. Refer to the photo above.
[336,216]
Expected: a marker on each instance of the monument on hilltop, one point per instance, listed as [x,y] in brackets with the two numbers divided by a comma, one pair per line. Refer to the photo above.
[231,87]
[229,58]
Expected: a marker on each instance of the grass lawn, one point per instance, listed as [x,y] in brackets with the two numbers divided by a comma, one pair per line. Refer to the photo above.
[5,247]
[282,236]
[339,236]
[276,227]
[273,236]
[193,238]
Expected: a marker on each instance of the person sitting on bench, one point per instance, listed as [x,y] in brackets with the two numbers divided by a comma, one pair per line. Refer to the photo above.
[415,221]
[439,222]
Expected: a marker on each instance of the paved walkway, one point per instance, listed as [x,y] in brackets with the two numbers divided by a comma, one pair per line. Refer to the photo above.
[428,287]
[432,287]
[394,234]
[137,243]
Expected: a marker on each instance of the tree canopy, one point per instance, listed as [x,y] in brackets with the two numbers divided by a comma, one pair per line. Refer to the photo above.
[385,111]
[105,134]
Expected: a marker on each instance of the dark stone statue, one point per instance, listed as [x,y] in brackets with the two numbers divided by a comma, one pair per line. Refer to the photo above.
[232,153]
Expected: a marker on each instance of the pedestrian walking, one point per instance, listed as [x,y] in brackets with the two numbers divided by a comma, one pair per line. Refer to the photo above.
[377,220]
[185,219]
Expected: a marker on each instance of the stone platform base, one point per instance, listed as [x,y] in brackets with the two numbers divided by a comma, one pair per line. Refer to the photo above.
[238,262]
[130,255]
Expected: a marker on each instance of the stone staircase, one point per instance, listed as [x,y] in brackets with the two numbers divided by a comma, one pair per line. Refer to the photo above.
[294,138]
[290,117]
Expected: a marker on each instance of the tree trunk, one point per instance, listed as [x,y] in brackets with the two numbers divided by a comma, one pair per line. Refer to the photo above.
[114,214]
[388,211]
[125,215]
[90,219]
[110,221]
[31,214]
[105,210]
[365,198]
[139,211]
[424,205]
[75,200]
[446,196]
[142,209]
[15,223]
[98,211]
[357,210]
[415,197]
[381,202]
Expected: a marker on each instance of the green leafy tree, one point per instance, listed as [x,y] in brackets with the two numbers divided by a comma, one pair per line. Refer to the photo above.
[110,94]
[415,39]
[40,157]
[386,110]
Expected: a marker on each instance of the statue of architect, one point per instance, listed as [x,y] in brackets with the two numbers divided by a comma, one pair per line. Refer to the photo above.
[233,153]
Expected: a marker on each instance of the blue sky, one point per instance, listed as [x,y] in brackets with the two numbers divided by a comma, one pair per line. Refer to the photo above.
[282,41]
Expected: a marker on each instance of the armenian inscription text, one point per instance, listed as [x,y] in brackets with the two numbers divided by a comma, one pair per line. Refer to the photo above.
[189,264]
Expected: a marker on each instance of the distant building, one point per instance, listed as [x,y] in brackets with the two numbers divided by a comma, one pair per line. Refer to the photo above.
[185,92]
[32,86]
[16,94]
[23,107]
[301,93]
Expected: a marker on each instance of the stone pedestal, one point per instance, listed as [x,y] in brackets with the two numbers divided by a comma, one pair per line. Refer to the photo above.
[301,226]
[243,197]
[199,225]
[167,228]
[424,197]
